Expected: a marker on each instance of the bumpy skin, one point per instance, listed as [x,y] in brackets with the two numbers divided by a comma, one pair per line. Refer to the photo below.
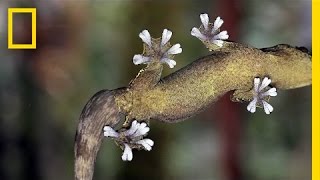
[186,92]
[194,87]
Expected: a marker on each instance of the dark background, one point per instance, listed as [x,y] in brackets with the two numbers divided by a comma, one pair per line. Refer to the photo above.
[84,46]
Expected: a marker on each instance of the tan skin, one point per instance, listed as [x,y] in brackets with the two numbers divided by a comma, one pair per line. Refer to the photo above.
[185,92]
[194,87]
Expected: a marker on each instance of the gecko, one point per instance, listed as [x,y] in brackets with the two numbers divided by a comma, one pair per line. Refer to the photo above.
[231,67]
[193,88]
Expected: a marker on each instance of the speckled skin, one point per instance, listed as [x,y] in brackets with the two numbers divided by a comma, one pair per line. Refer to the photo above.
[191,89]
[185,92]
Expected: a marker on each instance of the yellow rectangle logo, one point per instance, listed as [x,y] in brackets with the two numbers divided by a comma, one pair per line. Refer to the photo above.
[33,12]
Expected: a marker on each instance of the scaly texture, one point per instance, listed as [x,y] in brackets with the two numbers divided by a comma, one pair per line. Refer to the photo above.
[98,112]
[231,67]
[194,87]
[186,92]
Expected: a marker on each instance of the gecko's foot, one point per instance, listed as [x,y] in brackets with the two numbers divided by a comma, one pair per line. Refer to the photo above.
[261,93]
[209,33]
[132,138]
[157,50]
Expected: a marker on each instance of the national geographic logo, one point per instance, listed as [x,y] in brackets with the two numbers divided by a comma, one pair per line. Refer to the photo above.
[11,12]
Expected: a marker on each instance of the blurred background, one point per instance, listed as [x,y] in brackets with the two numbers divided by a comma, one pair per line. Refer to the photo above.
[84,46]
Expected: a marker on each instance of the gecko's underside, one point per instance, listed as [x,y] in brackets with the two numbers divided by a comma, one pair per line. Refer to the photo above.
[187,91]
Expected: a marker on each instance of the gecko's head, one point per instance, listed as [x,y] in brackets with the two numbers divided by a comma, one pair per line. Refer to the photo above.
[291,66]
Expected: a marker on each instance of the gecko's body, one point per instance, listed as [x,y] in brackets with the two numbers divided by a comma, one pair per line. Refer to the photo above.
[186,92]
[194,87]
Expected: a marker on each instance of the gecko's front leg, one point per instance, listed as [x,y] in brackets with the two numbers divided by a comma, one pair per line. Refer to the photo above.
[156,51]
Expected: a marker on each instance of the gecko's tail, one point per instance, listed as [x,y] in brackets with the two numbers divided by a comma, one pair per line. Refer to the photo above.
[99,111]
